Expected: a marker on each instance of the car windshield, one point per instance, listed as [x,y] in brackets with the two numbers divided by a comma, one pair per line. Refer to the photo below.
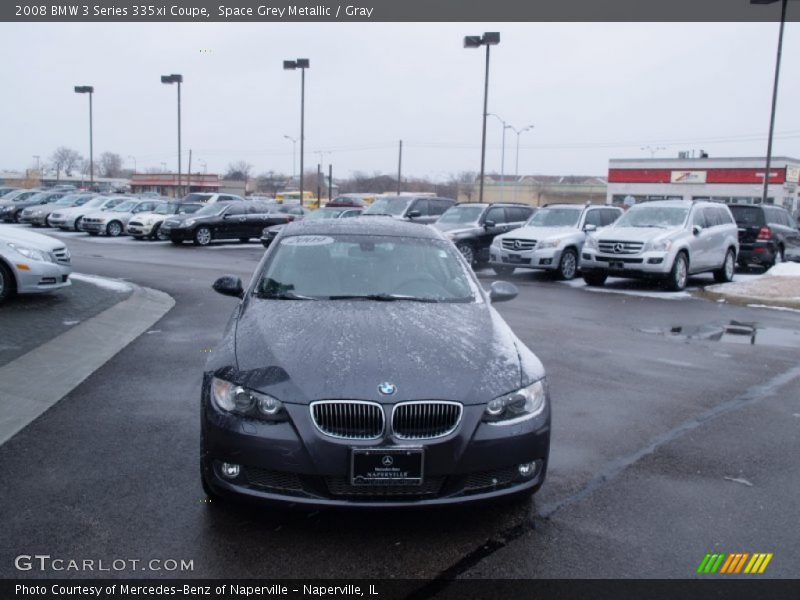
[166,209]
[66,200]
[211,210]
[197,197]
[125,206]
[555,217]
[94,202]
[462,214]
[388,206]
[325,213]
[345,267]
[663,217]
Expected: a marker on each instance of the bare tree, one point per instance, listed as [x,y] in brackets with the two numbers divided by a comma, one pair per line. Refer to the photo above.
[465,184]
[66,160]
[271,182]
[239,171]
[110,164]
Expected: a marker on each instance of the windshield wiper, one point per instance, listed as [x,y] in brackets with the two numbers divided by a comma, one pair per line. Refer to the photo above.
[282,296]
[382,297]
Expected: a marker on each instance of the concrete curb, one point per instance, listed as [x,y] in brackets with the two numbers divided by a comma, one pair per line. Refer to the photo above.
[745,300]
[35,381]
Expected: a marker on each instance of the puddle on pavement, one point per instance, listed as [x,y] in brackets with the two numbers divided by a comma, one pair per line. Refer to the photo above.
[735,332]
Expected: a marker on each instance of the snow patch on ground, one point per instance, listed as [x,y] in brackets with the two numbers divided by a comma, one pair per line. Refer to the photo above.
[781,284]
[643,293]
[783,308]
[784,270]
[108,284]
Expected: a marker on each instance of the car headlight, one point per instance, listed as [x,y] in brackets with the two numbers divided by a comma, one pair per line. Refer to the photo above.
[550,243]
[248,403]
[524,404]
[187,223]
[149,221]
[591,242]
[32,253]
[661,245]
[36,213]
[497,242]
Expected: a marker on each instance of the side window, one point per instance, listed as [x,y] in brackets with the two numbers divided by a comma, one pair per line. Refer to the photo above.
[439,206]
[610,215]
[519,214]
[724,215]
[235,209]
[711,215]
[256,208]
[496,214]
[594,217]
[698,219]
[223,198]
[422,206]
[349,214]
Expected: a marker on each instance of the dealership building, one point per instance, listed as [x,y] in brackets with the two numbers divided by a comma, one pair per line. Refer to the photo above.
[731,180]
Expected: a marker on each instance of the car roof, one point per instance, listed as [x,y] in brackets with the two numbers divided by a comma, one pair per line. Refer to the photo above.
[365,225]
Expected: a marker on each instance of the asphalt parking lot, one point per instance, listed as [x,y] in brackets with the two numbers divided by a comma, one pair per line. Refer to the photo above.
[664,447]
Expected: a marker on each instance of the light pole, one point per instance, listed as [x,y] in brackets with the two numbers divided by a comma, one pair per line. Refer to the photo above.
[291,65]
[36,156]
[294,155]
[170,79]
[489,38]
[502,157]
[519,132]
[132,157]
[774,93]
[88,89]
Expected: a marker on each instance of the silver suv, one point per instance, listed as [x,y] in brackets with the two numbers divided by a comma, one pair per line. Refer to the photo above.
[552,239]
[665,239]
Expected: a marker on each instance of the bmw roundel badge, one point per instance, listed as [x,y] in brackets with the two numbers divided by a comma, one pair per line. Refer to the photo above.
[387,389]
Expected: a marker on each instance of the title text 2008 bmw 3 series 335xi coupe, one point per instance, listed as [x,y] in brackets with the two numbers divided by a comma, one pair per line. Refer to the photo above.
[365,366]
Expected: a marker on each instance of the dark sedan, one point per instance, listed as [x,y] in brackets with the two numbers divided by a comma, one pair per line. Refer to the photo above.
[328,212]
[365,366]
[221,221]
[12,212]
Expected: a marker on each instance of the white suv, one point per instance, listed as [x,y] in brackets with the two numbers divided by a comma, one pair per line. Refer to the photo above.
[664,239]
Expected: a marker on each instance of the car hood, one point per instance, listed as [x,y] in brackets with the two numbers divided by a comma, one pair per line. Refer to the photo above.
[107,214]
[538,233]
[24,237]
[302,351]
[635,234]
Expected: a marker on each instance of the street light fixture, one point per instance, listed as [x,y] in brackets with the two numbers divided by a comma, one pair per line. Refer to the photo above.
[294,155]
[170,79]
[774,93]
[502,157]
[652,150]
[291,65]
[489,38]
[519,132]
[88,89]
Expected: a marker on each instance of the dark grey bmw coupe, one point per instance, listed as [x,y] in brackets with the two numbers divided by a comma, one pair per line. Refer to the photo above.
[365,366]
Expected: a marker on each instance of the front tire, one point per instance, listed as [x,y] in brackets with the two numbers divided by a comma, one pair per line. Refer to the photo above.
[568,265]
[202,236]
[679,274]
[467,251]
[595,278]
[114,229]
[154,232]
[725,273]
[77,223]
[7,283]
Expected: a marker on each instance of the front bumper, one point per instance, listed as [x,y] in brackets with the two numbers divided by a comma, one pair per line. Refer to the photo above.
[294,463]
[35,277]
[544,258]
[648,264]
[92,227]
[178,234]
[40,219]
[139,229]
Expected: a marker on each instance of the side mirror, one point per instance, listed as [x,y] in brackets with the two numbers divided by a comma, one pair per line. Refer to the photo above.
[229,286]
[590,228]
[488,224]
[696,229]
[502,291]
[413,214]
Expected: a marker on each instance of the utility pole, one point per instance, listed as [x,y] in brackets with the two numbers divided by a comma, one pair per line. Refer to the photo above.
[189,174]
[319,177]
[330,181]
[399,167]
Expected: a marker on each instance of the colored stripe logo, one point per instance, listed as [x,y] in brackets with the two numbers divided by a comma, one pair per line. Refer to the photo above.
[735,563]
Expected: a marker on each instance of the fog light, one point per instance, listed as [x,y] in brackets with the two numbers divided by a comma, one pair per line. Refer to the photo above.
[495,407]
[230,470]
[527,470]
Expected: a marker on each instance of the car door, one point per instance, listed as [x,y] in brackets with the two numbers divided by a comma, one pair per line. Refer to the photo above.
[715,225]
[699,241]
[792,239]
[494,222]
[233,223]
[517,216]
[421,206]
[776,225]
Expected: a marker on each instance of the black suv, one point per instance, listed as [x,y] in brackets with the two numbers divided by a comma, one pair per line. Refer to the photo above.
[472,226]
[766,234]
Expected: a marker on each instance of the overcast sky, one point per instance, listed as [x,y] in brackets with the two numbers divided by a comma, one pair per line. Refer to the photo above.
[593,91]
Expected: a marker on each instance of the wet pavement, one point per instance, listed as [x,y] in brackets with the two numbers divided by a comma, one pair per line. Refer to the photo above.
[646,429]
